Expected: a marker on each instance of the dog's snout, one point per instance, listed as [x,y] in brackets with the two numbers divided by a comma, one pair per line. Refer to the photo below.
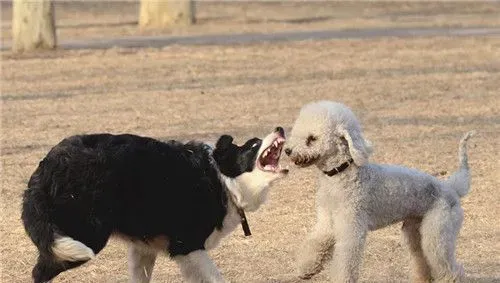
[288,151]
[280,130]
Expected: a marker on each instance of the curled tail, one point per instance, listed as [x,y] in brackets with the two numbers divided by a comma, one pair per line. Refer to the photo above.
[460,180]
[38,225]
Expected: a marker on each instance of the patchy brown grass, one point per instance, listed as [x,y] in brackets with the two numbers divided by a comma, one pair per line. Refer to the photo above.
[415,98]
[78,20]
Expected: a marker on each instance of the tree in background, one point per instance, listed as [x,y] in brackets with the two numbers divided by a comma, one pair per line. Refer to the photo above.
[33,25]
[165,13]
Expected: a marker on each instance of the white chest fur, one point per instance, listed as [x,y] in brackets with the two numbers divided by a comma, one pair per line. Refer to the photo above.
[231,220]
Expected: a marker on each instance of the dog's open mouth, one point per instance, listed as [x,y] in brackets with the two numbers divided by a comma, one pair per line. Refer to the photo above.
[269,158]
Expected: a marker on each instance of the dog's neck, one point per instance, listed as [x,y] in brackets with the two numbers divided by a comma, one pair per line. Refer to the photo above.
[245,194]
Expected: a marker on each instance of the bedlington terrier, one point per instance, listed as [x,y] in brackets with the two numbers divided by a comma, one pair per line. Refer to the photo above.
[356,196]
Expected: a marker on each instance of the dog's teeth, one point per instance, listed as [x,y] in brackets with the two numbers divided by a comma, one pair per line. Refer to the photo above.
[265,153]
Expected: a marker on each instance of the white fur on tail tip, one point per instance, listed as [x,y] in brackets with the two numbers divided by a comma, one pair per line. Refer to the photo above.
[66,248]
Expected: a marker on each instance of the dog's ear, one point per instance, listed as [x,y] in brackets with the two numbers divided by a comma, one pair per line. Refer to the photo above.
[224,142]
[224,154]
[359,148]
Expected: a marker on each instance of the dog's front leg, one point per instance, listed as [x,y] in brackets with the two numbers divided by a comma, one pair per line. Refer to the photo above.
[317,248]
[350,240]
[197,267]
[140,262]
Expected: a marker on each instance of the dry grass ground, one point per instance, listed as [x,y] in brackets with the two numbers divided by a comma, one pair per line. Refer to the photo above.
[415,98]
[78,20]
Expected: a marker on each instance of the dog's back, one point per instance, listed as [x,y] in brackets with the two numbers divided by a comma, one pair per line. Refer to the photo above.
[392,193]
[397,192]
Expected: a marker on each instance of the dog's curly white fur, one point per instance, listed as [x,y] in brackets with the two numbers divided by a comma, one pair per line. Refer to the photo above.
[367,196]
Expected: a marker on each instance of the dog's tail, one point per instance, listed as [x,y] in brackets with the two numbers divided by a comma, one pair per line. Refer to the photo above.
[36,220]
[460,180]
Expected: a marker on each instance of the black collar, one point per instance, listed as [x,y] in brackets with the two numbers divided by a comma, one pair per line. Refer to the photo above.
[339,169]
[244,223]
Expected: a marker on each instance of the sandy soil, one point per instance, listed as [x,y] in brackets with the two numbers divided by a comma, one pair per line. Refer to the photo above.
[415,98]
[98,19]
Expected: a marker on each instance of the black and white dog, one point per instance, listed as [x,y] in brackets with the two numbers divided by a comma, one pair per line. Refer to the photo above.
[160,196]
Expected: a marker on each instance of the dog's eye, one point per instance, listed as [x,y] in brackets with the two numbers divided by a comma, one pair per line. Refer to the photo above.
[255,144]
[310,139]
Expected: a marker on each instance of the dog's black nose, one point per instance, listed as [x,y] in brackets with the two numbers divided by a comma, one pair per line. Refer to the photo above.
[288,151]
[280,130]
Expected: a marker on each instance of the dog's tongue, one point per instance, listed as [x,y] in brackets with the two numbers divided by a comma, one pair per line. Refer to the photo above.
[272,158]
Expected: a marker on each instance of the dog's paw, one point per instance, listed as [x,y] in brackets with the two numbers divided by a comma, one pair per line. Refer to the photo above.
[307,271]
[308,267]
[285,278]
[306,276]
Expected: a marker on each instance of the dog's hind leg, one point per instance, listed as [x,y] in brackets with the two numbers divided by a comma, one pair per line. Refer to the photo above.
[420,269]
[141,261]
[47,268]
[198,267]
[439,230]
[317,247]
[66,253]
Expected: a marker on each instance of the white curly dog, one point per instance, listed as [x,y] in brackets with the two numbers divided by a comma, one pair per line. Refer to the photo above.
[356,196]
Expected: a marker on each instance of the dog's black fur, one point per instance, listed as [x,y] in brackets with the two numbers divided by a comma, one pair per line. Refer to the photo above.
[89,187]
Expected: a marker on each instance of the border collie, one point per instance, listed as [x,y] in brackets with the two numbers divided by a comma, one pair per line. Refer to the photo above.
[160,196]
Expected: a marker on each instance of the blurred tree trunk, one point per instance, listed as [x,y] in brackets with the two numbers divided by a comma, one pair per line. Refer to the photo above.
[165,13]
[33,25]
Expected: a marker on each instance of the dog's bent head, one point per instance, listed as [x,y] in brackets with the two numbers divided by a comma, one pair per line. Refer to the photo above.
[327,133]
[250,169]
